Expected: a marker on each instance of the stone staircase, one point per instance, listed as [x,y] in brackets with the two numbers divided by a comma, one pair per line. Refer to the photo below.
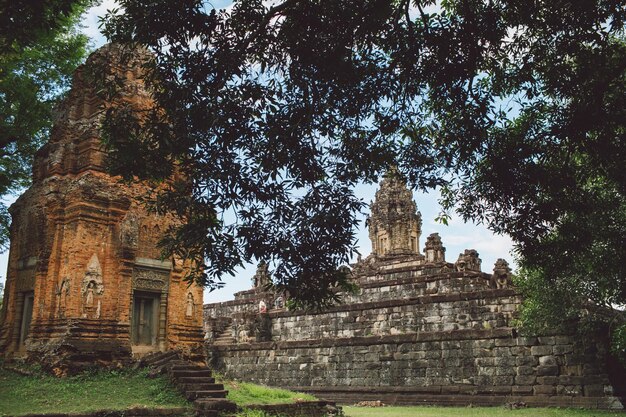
[198,385]
[225,337]
[196,382]
[158,361]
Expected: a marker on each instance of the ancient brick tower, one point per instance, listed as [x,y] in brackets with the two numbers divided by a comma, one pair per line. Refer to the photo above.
[395,224]
[85,280]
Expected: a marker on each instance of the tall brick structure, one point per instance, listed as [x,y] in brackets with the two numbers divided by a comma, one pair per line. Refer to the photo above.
[85,281]
[420,330]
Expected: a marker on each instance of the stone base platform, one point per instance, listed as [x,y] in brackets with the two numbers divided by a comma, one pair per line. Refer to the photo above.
[450,396]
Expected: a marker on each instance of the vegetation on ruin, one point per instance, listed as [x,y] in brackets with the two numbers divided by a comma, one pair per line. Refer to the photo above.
[40,47]
[244,393]
[514,110]
[426,411]
[98,390]
[272,113]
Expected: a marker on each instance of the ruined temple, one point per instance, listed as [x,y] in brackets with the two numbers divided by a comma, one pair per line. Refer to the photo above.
[420,330]
[85,278]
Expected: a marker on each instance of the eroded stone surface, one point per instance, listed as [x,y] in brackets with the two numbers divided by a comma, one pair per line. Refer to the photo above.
[84,250]
[395,225]
[419,330]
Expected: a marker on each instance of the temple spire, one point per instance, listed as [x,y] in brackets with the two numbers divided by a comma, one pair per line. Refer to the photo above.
[395,224]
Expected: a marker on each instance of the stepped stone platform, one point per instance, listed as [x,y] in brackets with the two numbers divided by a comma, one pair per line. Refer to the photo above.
[420,330]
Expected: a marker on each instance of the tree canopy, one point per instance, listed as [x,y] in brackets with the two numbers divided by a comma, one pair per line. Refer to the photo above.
[514,108]
[40,46]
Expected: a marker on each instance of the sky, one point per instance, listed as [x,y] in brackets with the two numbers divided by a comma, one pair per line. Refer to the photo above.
[456,236]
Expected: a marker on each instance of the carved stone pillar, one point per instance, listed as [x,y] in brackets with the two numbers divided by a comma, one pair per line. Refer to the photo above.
[162,341]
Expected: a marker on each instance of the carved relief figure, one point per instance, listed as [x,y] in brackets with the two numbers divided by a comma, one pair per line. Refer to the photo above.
[92,281]
[177,265]
[62,293]
[190,307]
[501,277]
[89,297]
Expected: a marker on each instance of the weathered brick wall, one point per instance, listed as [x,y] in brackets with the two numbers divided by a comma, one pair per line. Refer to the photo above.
[83,247]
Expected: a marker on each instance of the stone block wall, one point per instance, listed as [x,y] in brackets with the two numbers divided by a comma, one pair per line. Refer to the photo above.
[411,335]
[481,367]
[445,312]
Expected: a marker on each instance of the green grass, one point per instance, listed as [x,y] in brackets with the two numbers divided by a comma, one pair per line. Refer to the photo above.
[124,389]
[252,413]
[424,411]
[99,390]
[244,393]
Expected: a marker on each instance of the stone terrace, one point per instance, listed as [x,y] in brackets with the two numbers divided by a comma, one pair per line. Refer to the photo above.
[419,330]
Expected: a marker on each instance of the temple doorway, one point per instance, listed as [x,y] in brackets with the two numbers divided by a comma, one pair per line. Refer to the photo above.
[145,318]
[27,316]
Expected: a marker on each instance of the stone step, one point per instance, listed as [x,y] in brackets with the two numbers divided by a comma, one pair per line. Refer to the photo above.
[180,373]
[152,357]
[218,404]
[193,395]
[195,380]
[164,361]
[197,383]
[149,358]
[201,387]
[186,367]
[159,360]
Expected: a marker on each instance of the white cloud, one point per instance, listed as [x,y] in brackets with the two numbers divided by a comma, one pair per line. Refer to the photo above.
[91,20]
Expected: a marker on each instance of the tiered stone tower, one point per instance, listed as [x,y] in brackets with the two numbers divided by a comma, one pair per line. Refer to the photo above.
[85,281]
[395,225]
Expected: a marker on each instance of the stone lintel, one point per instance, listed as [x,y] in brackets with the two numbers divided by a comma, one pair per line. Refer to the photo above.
[153,263]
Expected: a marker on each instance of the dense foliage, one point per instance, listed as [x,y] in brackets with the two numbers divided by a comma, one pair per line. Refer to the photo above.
[40,47]
[514,108]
